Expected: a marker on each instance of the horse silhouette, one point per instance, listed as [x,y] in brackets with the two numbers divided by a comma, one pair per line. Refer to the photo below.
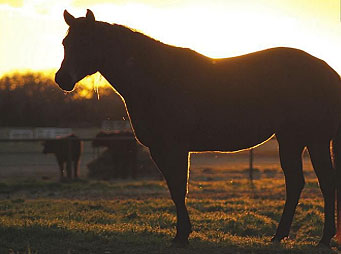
[180,101]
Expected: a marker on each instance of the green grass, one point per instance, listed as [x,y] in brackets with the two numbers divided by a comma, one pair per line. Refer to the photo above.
[229,216]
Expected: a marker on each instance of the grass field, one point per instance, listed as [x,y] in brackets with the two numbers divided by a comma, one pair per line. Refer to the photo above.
[228,213]
[228,216]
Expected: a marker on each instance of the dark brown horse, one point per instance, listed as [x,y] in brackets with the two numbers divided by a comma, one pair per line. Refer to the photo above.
[180,102]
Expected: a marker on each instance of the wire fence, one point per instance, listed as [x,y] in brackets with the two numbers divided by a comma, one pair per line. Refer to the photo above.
[25,158]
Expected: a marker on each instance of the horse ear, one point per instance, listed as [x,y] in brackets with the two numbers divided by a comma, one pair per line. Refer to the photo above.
[69,19]
[90,15]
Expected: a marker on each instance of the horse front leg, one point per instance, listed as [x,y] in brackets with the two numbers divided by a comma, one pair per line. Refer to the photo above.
[173,164]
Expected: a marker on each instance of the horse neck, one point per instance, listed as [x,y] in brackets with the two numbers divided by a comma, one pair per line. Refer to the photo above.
[130,70]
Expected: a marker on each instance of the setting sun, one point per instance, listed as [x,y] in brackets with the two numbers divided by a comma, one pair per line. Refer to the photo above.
[32,30]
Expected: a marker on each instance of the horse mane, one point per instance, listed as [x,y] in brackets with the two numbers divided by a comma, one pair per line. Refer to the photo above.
[133,32]
[135,37]
[128,33]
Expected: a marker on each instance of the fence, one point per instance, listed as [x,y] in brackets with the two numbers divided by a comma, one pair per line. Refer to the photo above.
[24,158]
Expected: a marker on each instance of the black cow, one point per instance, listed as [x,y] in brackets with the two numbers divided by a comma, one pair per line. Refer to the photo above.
[68,151]
[123,149]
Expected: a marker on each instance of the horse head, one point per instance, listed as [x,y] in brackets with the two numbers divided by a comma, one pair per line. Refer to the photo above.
[80,51]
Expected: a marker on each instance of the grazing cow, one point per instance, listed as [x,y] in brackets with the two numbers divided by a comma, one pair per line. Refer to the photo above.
[180,102]
[123,149]
[68,151]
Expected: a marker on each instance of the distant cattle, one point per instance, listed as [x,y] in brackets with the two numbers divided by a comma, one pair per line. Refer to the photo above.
[68,151]
[122,147]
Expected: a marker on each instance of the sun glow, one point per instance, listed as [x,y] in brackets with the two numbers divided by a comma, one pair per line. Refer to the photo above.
[32,31]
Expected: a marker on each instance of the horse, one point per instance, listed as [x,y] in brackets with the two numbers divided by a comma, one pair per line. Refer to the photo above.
[123,151]
[180,101]
[67,150]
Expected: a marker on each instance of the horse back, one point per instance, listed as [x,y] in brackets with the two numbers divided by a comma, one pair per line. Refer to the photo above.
[248,97]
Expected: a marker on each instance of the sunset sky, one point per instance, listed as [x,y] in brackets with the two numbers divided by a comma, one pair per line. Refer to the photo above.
[32,30]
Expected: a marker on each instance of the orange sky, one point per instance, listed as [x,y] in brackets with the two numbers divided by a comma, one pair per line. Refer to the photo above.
[32,30]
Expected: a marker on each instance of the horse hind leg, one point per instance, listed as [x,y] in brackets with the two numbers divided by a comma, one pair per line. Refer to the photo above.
[173,164]
[321,160]
[291,162]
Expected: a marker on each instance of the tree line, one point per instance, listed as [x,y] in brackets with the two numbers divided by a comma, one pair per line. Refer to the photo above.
[33,99]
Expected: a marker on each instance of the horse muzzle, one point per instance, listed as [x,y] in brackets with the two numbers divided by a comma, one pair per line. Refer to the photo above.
[64,81]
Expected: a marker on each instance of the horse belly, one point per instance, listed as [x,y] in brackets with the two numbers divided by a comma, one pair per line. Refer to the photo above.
[231,138]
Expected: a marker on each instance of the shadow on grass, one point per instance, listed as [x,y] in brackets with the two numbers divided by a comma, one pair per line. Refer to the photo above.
[53,240]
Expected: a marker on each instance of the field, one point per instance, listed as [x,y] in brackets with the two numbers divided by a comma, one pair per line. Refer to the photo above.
[229,213]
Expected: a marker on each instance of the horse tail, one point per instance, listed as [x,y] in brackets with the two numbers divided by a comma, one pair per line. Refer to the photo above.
[336,151]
